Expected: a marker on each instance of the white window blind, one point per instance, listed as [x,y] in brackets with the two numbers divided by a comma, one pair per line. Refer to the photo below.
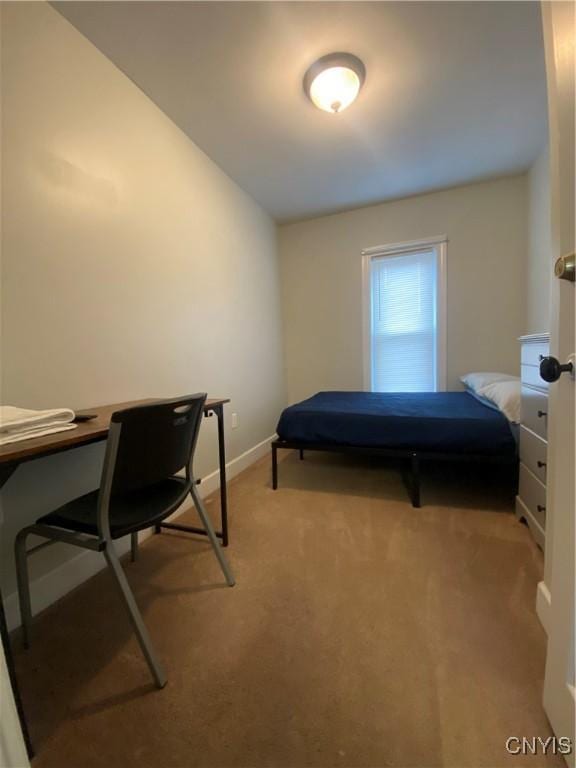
[403,337]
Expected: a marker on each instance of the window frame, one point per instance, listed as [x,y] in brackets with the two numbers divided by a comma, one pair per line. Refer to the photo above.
[439,245]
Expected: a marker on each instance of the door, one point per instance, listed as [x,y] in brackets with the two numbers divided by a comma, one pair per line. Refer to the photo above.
[12,748]
[559,38]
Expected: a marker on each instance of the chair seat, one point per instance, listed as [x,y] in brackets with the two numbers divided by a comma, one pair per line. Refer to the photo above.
[129,512]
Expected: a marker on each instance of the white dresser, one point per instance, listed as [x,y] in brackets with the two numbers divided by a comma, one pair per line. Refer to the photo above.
[531,499]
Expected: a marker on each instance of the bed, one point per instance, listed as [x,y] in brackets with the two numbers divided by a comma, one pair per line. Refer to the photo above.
[418,426]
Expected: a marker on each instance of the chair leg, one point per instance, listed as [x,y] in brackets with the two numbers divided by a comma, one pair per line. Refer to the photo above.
[135,616]
[23,585]
[134,546]
[212,536]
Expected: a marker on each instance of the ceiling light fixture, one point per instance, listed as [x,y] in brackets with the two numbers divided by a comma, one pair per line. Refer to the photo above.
[333,82]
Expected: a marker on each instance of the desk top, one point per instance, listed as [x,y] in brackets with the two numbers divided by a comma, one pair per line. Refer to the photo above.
[86,432]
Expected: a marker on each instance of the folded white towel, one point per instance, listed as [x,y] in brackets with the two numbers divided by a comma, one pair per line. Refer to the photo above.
[23,424]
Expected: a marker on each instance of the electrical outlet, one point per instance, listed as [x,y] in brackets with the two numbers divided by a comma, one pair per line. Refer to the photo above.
[234,420]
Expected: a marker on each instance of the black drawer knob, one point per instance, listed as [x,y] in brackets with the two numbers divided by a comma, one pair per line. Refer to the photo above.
[540,464]
[541,414]
[541,508]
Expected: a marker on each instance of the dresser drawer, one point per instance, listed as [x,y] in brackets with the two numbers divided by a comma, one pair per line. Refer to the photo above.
[531,352]
[533,495]
[531,375]
[533,453]
[523,513]
[535,410]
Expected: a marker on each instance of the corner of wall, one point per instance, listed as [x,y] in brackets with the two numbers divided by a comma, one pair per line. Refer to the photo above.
[539,245]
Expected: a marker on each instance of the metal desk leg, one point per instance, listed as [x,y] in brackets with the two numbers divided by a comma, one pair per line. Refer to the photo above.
[223,532]
[222,464]
[5,474]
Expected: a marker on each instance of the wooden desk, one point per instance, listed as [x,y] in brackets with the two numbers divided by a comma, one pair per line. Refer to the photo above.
[86,433]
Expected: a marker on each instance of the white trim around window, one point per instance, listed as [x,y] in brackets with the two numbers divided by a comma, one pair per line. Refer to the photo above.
[439,246]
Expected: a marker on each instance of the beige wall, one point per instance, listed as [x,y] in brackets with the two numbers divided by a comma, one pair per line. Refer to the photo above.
[322,288]
[132,266]
[539,266]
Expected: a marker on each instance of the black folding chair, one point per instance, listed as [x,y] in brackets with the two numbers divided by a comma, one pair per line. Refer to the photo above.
[147,445]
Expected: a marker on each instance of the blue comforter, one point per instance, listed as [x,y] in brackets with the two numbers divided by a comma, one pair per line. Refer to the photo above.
[432,422]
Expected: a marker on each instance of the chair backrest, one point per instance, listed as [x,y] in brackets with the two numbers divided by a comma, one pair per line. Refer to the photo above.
[149,443]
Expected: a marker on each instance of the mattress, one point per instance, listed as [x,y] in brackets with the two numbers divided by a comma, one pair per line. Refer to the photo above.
[431,422]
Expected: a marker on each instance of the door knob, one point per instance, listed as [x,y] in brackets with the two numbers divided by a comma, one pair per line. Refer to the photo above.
[551,369]
[565,267]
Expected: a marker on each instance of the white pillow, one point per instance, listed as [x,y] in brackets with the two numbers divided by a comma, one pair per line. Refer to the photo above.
[505,395]
[477,381]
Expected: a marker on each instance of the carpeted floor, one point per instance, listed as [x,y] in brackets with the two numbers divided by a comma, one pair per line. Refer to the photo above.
[361,632]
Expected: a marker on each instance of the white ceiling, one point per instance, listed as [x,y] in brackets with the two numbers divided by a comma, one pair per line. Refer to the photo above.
[454,92]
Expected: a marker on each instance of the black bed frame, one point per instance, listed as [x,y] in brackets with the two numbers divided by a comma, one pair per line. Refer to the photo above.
[415,458]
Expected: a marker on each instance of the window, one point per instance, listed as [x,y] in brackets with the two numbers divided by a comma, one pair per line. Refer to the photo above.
[404,323]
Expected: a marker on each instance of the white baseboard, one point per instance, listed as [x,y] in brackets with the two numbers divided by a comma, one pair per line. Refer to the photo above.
[543,604]
[211,482]
[56,583]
